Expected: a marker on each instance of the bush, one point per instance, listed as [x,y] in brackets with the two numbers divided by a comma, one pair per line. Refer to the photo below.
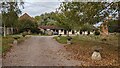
[28,25]
[97,33]
[16,37]
[24,34]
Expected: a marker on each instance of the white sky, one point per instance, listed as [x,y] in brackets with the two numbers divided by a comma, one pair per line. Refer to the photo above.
[37,8]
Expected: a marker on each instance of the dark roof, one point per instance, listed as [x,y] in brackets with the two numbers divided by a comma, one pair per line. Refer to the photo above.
[50,27]
[26,16]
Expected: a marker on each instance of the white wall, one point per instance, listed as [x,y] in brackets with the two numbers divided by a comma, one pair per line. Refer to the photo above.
[86,32]
[70,32]
[91,32]
[61,32]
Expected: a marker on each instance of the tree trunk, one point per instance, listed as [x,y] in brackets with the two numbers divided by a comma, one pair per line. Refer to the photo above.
[7,30]
[11,29]
[4,29]
[105,28]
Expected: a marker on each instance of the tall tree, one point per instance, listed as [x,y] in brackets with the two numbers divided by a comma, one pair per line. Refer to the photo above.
[46,19]
[64,21]
[80,13]
[10,11]
[109,13]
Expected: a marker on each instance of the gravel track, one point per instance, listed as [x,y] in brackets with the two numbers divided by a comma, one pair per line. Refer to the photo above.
[39,51]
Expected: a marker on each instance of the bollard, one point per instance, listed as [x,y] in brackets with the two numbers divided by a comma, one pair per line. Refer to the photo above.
[69,40]
[15,42]
[96,55]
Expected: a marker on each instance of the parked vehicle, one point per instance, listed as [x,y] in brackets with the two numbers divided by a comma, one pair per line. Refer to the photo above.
[55,33]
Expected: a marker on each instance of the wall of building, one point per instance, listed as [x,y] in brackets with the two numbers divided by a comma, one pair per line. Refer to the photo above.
[61,31]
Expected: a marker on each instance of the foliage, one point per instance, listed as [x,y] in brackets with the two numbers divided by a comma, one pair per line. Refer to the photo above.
[8,20]
[24,34]
[78,14]
[7,42]
[97,32]
[87,27]
[63,39]
[10,9]
[26,25]
[64,21]
[46,19]
[113,26]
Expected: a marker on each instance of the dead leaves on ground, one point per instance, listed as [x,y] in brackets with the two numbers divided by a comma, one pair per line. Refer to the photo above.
[109,58]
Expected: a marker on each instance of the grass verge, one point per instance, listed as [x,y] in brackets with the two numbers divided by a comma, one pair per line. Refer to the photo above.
[83,47]
[62,39]
[7,42]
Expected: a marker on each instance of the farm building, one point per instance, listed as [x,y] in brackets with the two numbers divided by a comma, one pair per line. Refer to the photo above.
[54,30]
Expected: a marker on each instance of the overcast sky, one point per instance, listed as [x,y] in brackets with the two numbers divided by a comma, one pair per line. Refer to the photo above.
[38,7]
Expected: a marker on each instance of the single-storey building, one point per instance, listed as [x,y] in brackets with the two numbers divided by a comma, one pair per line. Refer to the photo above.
[8,30]
[55,30]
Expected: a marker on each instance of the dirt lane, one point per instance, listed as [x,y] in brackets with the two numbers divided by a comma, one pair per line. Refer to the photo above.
[39,51]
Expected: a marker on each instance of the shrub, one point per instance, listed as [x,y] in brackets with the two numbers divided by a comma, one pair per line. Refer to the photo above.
[97,33]
[24,34]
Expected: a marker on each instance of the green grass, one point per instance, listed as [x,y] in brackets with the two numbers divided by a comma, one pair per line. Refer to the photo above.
[8,41]
[5,48]
[110,40]
[90,41]
[0,44]
[83,46]
[39,35]
[62,39]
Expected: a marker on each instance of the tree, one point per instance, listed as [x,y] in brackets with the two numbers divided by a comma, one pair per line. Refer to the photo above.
[113,26]
[62,21]
[87,27]
[26,25]
[38,19]
[0,19]
[46,19]
[109,13]
[80,13]
[10,9]
[74,15]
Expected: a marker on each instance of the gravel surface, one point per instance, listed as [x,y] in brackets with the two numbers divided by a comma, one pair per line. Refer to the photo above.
[39,51]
